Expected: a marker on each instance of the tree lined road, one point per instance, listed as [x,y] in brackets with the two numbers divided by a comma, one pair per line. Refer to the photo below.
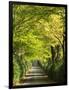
[36,76]
[38,35]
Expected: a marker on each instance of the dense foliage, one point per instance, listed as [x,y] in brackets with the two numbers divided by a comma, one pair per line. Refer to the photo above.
[38,34]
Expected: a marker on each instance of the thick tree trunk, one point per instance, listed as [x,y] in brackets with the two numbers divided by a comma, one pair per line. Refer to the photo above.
[58,52]
[53,53]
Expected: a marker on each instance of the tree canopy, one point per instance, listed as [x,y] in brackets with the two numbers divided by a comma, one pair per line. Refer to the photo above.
[38,34]
[36,28]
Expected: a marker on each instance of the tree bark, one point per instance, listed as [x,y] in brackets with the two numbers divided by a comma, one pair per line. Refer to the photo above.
[53,53]
[58,52]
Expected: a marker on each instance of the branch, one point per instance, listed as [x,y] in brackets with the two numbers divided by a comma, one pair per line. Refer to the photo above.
[58,39]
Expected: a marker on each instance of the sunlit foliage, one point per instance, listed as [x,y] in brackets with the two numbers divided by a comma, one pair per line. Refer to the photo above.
[38,34]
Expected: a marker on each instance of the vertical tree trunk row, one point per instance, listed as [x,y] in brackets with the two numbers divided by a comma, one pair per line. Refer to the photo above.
[56,53]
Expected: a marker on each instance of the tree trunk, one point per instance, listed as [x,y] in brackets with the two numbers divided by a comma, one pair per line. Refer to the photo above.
[58,52]
[53,53]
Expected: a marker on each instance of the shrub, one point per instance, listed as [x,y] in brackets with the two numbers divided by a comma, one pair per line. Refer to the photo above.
[16,72]
[20,67]
[55,70]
